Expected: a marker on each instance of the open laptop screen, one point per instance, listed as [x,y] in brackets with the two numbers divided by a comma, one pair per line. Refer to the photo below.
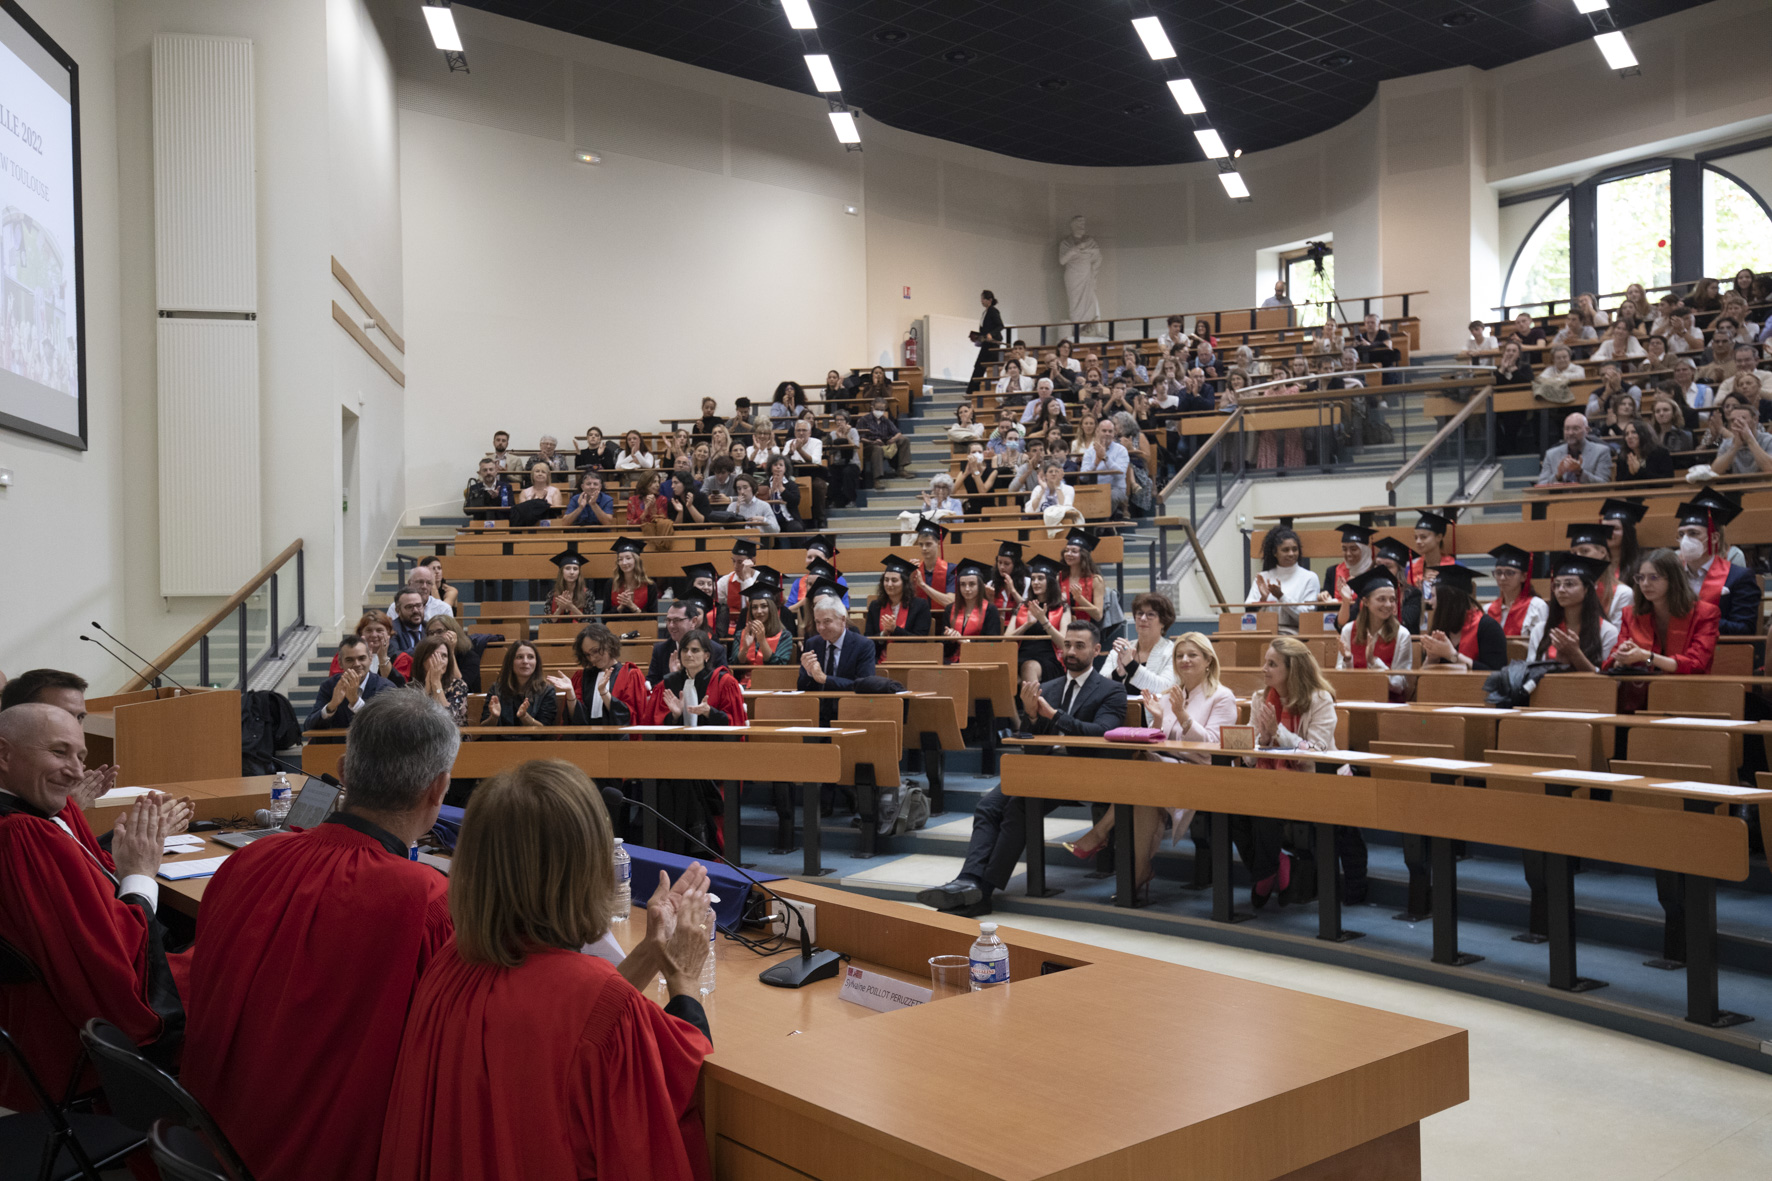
[313,804]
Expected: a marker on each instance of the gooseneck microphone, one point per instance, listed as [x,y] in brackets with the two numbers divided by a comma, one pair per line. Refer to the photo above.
[133,671]
[158,672]
[812,964]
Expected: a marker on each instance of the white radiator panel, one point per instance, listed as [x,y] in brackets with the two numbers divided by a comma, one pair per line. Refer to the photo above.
[209,463]
[205,224]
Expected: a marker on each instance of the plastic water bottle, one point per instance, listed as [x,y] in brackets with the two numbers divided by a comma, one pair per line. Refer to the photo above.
[990,959]
[281,798]
[624,883]
[707,967]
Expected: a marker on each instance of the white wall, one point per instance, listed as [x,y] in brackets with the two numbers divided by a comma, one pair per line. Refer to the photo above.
[708,254]
[61,525]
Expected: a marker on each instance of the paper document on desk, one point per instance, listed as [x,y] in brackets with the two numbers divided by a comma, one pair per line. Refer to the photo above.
[1352,756]
[1478,711]
[182,844]
[1707,723]
[1374,704]
[178,871]
[122,795]
[1441,764]
[1586,776]
[1572,715]
[1709,789]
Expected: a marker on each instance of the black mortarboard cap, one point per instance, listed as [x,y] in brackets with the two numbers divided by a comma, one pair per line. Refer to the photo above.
[1618,509]
[1460,576]
[1394,550]
[745,548]
[1694,513]
[974,566]
[925,525]
[1010,549]
[825,542]
[1588,569]
[1080,536]
[1042,564]
[568,558]
[1589,533]
[700,570]
[1376,578]
[763,588]
[1356,534]
[820,569]
[1434,522]
[699,599]
[770,573]
[628,545]
[824,586]
[1511,555]
[898,565]
[1726,506]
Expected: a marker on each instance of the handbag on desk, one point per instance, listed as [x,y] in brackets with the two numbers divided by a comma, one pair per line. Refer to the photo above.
[1138,735]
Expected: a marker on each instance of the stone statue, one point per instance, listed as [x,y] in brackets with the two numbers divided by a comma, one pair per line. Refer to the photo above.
[1080,256]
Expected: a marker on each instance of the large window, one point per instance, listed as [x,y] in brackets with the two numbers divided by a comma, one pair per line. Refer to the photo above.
[1737,232]
[1634,224]
[1541,269]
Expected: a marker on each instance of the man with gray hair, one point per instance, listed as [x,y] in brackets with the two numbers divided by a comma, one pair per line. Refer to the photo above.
[309,948]
[1576,460]
[548,448]
[84,917]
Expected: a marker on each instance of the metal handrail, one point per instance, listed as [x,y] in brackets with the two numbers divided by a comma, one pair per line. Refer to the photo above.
[1200,453]
[1686,284]
[1454,423]
[235,603]
[1216,316]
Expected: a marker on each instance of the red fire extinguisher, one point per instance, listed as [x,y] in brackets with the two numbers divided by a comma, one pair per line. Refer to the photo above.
[910,347]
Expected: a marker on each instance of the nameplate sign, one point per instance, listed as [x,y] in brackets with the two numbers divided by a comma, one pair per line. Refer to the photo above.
[883,994]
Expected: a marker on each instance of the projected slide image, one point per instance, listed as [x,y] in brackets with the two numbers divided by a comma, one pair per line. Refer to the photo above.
[36,331]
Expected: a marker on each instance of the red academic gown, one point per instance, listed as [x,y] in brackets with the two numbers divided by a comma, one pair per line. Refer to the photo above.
[96,955]
[1512,619]
[1074,592]
[934,578]
[1691,641]
[629,689]
[309,949]
[554,1070]
[1418,567]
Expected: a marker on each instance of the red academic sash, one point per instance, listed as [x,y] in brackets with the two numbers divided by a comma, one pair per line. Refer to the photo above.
[970,623]
[1070,590]
[899,617]
[1512,619]
[1025,613]
[1467,639]
[734,600]
[1715,576]
[936,579]
[1418,565]
[1290,721]
[1385,650]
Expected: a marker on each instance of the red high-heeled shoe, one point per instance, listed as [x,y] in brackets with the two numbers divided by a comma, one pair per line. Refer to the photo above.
[1077,850]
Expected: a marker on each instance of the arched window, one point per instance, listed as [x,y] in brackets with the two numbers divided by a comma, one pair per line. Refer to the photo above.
[1633,229]
[1541,268]
[1737,228]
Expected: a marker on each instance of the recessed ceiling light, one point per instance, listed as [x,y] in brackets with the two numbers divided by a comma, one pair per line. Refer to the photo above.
[799,13]
[1211,143]
[443,31]
[1156,41]
[1616,50]
[824,75]
[1186,97]
[1458,20]
[1234,187]
[843,123]
[890,36]
[1586,6]
[1336,61]
[958,57]
[1051,84]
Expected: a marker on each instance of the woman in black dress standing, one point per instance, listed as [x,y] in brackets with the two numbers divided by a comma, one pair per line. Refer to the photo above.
[989,338]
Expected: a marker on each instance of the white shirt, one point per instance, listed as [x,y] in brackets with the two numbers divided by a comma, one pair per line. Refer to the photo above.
[760,456]
[1156,674]
[1632,349]
[1297,585]
[1076,679]
[689,700]
[1622,597]
[813,447]
[1569,372]
[1035,409]
[1026,385]
[638,461]
[1532,627]
[1402,657]
[1487,341]
[1041,497]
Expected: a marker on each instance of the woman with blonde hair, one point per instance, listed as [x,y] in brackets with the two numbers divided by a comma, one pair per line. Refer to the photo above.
[570,599]
[523,1057]
[1295,710]
[1195,708]
[630,591]
[1376,638]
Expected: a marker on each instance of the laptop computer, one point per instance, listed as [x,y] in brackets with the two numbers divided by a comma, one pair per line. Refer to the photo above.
[313,804]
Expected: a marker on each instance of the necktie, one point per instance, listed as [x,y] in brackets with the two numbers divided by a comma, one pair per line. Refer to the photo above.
[1070,695]
[830,659]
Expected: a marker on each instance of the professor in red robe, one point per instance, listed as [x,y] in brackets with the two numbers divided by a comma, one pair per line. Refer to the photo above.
[523,1057]
[83,916]
[309,948]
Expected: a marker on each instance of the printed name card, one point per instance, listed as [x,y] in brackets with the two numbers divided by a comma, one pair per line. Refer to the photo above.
[871,990]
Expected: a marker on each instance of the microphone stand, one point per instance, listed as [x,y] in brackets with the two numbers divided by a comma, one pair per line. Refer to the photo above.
[158,672]
[134,671]
[812,964]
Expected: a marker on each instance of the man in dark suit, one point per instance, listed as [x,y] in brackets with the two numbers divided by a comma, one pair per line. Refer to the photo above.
[837,656]
[340,695]
[688,611]
[1082,703]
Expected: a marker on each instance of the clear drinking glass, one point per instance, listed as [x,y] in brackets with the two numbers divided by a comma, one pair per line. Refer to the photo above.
[950,975]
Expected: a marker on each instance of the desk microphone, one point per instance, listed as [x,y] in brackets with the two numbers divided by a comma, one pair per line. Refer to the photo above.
[813,964]
[133,671]
[158,672]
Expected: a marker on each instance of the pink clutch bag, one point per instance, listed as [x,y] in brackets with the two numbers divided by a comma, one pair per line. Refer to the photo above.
[1136,734]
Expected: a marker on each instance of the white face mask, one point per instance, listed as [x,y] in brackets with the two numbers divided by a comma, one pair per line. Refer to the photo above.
[879,414]
[1691,549]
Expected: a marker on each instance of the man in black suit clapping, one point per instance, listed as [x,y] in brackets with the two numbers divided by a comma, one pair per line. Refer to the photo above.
[1082,703]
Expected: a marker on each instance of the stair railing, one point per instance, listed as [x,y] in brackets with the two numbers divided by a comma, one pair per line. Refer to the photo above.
[259,619]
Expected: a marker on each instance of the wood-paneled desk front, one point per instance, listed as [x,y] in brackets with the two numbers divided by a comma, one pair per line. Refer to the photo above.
[165,735]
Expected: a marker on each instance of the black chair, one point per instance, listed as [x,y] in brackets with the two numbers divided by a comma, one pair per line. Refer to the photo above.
[140,1093]
[50,1144]
[182,1155]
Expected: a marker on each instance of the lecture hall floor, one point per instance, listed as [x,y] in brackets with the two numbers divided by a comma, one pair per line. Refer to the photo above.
[1550,1097]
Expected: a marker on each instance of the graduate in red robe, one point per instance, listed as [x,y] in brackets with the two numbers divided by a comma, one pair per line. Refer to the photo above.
[522,1057]
[1433,540]
[971,613]
[617,696]
[309,949]
[85,920]
[698,694]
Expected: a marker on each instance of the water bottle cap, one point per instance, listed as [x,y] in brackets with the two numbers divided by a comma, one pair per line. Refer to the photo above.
[987,928]
[618,842]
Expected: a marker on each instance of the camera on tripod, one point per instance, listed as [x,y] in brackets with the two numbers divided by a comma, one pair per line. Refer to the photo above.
[1317,252]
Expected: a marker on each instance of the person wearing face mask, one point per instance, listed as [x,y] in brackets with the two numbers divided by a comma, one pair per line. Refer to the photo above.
[880,435]
[1729,588]
[1519,611]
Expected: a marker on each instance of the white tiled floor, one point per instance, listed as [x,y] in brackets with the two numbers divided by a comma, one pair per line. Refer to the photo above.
[1550,1097]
